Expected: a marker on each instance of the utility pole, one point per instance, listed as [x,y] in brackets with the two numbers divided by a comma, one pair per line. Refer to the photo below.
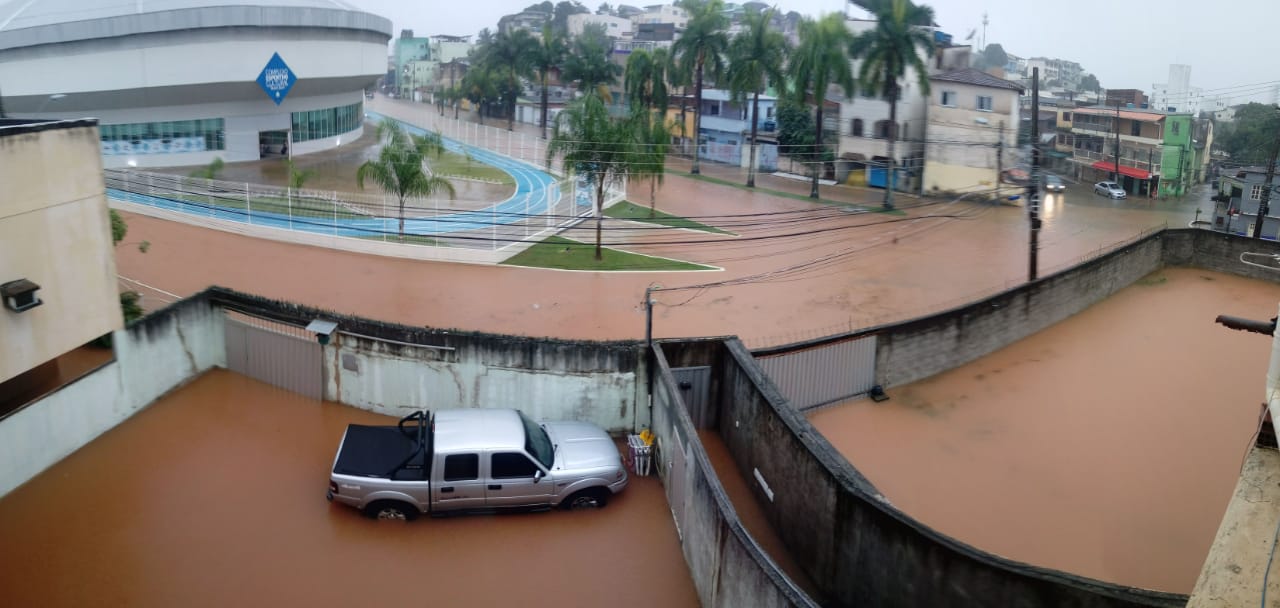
[1264,205]
[1151,170]
[1033,190]
[1116,178]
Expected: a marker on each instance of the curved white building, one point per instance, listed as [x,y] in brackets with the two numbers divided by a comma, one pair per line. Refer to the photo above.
[181,82]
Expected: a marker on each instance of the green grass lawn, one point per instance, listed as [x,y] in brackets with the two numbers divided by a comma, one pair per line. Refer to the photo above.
[627,210]
[452,163]
[792,195]
[568,254]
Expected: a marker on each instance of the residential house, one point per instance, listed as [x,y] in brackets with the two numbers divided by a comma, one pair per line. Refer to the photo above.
[725,136]
[1236,209]
[865,125]
[1202,143]
[614,27]
[408,49]
[1155,149]
[530,21]
[971,124]
[58,284]
[1126,98]
[662,14]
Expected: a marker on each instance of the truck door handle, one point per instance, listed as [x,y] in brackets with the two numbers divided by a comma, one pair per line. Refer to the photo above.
[495,486]
[446,490]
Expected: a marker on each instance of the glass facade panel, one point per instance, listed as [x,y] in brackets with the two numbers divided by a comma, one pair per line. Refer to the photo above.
[172,137]
[330,122]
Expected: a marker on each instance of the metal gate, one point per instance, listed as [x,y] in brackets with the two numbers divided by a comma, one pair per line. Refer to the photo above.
[281,355]
[695,388]
[821,375]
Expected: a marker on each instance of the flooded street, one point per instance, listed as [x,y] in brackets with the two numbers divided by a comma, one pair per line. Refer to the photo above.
[214,496]
[1107,445]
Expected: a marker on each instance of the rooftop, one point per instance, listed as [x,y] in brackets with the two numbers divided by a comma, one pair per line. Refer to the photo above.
[478,429]
[976,78]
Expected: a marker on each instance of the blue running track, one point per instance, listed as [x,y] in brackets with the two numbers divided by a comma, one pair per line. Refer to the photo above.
[536,193]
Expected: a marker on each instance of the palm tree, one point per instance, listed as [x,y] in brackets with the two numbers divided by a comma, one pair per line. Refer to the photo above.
[701,49]
[588,63]
[817,63]
[401,169]
[551,51]
[481,87]
[899,42]
[645,79]
[297,177]
[510,54]
[653,138]
[593,144]
[645,83]
[756,57]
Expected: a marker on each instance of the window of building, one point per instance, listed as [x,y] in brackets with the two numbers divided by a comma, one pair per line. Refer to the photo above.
[855,127]
[1135,128]
[713,109]
[510,465]
[1255,193]
[984,103]
[1066,117]
[461,467]
[949,99]
[331,122]
[172,137]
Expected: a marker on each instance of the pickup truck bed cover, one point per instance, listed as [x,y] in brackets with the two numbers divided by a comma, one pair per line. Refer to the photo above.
[375,451]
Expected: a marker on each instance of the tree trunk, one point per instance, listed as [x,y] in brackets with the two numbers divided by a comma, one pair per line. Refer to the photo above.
[755,123]
[515,100]
[480,112]
[402,219]
[816,164]
[684,122]
[599,214]
[890,177]
[653,196]
[697,116]
[544,105]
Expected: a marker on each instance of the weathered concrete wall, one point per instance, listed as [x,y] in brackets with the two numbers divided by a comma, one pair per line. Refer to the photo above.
[549,380]
[919,348]
[858,548]
[394,369]
[1218,252]
[154,356]
[729,569]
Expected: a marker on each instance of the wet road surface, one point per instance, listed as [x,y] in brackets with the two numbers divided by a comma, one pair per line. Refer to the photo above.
[214,496]
[1108,445]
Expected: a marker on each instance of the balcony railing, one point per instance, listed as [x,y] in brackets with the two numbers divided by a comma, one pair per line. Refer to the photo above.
[1090,157]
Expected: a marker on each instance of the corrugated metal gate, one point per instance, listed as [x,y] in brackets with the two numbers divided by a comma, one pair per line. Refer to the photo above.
[817,376]
[695,388]
[278,354]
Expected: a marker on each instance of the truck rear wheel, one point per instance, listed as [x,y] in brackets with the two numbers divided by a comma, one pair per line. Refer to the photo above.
[590,498]
[391,509]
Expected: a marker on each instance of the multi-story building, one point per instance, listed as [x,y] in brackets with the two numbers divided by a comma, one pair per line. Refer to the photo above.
[972,121]
[1057,71]
[409,49]
[530,21]
[1126,98]
[662,13]
[1177,95]
[614,27]
[1015,67]
[1155,157]
[725,134]
[57,267]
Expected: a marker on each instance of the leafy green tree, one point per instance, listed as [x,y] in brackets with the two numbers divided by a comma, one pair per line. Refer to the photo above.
[509,56]
[549,55]
[588,64]
[645,83]
[1090,83]
[896,44]
[701,50]
[594,145]
[819,62]
[756,59]
[297,177]
[481,87]
[130,301]
[994,56]
[560,15]
[1249,137]
[401,166]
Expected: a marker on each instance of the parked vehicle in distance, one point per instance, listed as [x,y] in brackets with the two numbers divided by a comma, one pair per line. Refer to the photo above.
[1053,183]
[1109,190]
[473,460]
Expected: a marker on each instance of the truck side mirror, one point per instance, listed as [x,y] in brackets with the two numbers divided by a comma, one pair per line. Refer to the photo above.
[537,476]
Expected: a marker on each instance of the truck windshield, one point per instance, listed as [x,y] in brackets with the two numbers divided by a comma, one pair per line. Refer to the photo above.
[536,442]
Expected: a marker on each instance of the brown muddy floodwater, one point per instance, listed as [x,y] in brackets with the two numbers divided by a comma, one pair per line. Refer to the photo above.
[214,496]
[1107,445]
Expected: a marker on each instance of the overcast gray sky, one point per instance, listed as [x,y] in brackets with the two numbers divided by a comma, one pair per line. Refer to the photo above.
[1126,43]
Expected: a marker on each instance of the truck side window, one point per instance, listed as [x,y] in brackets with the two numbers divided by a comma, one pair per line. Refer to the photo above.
[461,467]
[507,465]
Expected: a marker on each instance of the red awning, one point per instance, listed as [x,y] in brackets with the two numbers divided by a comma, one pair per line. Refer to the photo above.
[1108,165]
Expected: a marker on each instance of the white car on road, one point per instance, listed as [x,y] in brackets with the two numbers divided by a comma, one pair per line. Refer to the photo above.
[1109,190]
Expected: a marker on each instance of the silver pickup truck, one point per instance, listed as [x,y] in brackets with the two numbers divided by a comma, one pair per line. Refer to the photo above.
[473,460]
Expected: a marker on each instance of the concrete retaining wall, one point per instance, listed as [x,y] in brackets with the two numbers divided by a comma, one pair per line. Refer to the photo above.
[859,549]
[1219,252]
[163,351]
[729,569]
